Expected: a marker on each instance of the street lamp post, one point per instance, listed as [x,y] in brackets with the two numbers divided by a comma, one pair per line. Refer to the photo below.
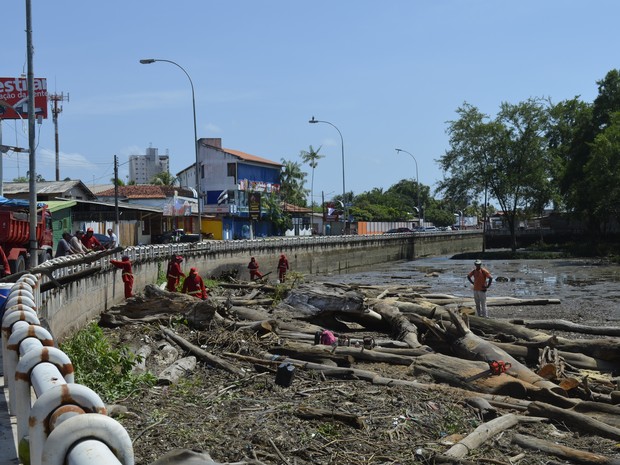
[148,61]
[344,202]
[417,180]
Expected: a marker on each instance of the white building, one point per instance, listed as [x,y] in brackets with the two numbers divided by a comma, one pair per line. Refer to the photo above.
[142,168]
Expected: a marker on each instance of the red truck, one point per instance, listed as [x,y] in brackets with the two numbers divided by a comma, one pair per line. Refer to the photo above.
[15,234]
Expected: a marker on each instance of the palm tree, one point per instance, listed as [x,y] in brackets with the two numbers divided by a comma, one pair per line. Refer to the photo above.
[292,180]
[311,157]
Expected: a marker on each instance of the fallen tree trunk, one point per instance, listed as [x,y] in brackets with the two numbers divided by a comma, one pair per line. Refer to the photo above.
[575,419]
[400,325]
[472,347]
[564,325]
[321,414]
[532,354]
[564,452]
[172,374]
[480,435]
[201,354]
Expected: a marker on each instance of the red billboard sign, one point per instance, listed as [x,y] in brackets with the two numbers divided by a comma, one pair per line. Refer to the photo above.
[14,98]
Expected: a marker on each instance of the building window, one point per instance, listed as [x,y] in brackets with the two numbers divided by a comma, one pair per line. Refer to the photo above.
[232,172]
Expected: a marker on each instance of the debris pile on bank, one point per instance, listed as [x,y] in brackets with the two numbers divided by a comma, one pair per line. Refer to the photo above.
[351,374]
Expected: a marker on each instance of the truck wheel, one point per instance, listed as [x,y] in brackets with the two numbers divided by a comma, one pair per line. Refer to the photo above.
[18,265]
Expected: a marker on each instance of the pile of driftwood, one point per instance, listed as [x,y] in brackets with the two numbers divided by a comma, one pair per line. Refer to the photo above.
[497,365]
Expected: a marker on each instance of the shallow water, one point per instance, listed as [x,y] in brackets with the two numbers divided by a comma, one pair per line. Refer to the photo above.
[588,291]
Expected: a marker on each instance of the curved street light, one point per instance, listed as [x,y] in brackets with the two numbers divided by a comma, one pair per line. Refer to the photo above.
[417,180]
[344,202]
[148,61]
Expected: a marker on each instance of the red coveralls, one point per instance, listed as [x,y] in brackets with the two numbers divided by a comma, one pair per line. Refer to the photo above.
[125,265]
[253,267]
[91,242]
[194,285]
[174,274]
[282,268]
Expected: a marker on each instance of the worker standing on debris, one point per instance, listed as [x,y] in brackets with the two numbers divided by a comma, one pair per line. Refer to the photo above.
[282,268]
[253,267]
[481,279]
[174,273]
[125,265]
[194,285]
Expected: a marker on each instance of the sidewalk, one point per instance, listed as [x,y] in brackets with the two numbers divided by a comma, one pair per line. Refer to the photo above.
[8,426]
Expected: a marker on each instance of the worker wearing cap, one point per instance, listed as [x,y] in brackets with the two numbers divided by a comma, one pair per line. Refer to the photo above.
[282,268]
[125,265]
[174,273]
[90,241]
[481,279]
[193,285]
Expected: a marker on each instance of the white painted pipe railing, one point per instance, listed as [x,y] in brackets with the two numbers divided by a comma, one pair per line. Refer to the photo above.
[80,432]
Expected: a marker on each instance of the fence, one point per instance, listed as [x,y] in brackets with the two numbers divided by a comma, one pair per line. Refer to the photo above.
[67,423]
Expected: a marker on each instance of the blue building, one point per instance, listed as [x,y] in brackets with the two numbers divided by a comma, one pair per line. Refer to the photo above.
[233,186]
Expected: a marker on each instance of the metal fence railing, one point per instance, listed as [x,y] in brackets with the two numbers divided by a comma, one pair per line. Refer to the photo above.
[66,422]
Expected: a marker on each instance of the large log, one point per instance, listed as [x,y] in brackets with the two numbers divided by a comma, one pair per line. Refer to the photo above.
[532,354]
[458,372]
[575,419]
[480,435]
[375,378]
[180,368]
[472,347]
[603,349]
[564,452]
[400,325]
[200,353]
[348,354]
[564,325]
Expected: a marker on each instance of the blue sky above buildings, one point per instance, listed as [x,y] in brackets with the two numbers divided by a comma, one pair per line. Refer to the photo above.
[387,74]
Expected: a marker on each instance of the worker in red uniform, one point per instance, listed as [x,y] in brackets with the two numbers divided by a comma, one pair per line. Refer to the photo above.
[174,273]
[125,265]
[5,268]
[282,268]
[90,241]
[253,267]
[193,285]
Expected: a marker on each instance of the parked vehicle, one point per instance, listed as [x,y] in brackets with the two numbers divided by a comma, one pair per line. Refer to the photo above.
[174,235]
[104,239]
[15,233]
[398,230]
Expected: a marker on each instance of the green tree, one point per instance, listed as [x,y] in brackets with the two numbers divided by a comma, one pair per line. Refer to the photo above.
[292,182]
[311,157]
[21,179]
[119,182]
[164,179]
[506,156]
[602,174]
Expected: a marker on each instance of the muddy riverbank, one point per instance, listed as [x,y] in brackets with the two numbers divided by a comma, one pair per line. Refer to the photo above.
[589,290]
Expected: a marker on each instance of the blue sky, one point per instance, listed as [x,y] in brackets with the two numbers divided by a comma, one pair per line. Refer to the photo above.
[388,74]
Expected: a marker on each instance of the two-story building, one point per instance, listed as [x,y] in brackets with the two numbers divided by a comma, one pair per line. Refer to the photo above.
[233,187]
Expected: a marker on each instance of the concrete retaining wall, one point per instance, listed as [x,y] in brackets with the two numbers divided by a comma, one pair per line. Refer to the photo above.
[71,307]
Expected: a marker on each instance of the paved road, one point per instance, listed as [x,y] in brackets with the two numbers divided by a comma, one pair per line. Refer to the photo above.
[8,427]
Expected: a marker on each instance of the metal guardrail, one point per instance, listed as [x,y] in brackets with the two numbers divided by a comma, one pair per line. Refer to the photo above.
[67,422]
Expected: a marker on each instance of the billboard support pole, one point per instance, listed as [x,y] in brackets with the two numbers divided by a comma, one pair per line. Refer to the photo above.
[34,249]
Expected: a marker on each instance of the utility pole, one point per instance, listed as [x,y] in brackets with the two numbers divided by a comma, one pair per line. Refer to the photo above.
[55,98]
[116,215]
[34,249]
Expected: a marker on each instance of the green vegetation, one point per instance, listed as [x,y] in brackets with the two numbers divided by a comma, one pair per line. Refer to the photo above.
[105,370]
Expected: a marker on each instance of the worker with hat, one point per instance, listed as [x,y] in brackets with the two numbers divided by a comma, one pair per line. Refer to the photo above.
[127,276]
[481,280]
[174,273]
[282,268]
[90,241]
[194,285]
